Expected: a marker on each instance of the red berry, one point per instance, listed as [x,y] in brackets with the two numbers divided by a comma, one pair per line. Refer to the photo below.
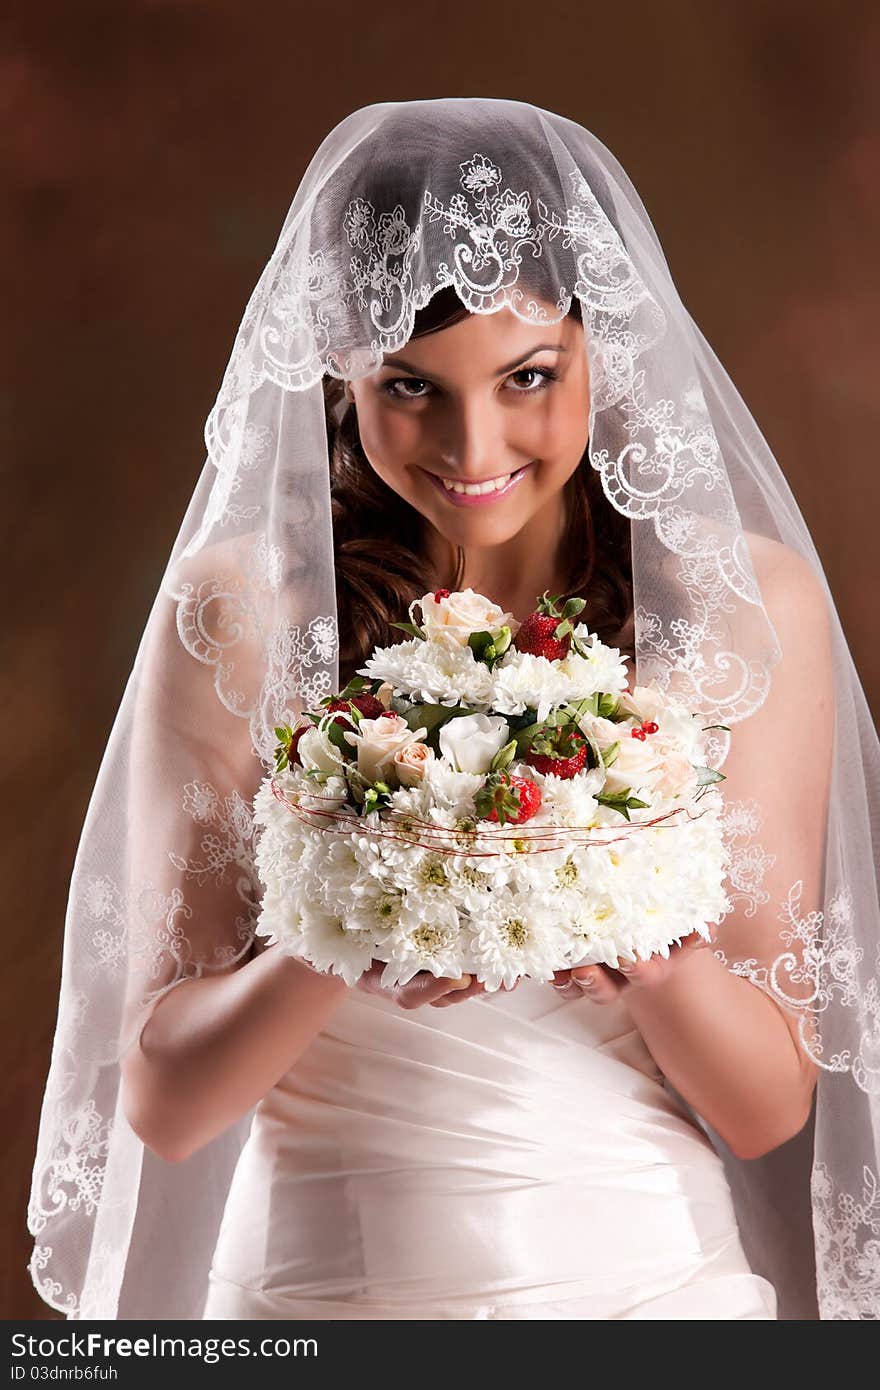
[638,733]
[440,593]
[651,727]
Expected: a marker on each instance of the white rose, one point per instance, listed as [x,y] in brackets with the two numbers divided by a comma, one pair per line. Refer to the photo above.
[450,621]
[317,754]
[410,763]
[471,742]
[377,741]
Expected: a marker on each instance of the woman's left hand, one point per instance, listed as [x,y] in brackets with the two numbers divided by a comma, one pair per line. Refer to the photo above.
[604,984]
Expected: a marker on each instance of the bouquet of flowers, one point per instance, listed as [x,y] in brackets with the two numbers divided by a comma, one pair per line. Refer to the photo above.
[489,797]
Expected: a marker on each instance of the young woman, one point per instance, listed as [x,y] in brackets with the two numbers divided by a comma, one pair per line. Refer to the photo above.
[465,367]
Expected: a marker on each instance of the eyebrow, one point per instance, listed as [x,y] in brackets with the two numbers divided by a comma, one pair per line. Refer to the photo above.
[510,366]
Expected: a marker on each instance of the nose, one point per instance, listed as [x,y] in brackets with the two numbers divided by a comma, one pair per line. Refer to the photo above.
[473,444]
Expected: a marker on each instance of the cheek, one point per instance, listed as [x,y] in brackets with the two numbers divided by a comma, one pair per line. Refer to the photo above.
[387,443]
[564,434]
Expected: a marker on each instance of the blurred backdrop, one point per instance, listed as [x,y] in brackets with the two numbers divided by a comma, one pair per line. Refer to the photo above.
[150,150]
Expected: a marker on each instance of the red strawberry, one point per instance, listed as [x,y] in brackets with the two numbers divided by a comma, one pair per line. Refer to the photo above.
[290,745]
[560,752]
[368,705]
[504,798]
[547,631]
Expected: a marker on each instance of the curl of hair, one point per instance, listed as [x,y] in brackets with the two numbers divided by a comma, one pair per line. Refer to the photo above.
[378,574]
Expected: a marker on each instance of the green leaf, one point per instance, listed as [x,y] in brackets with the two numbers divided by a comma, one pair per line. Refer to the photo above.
[706,727]
[504,757]
[609,755]
[707,775]
[574,606]
[336,734]
[355,687]
[429,717]
[411,629]
[502,641]
[283,732]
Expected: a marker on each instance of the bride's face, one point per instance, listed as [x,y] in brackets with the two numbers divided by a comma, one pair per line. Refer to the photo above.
[480,424]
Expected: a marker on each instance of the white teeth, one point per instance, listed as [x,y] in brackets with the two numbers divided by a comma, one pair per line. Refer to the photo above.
[476,489]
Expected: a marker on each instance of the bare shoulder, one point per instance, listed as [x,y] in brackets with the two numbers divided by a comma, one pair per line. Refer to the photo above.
[225,558]
[783,573]
[798,605]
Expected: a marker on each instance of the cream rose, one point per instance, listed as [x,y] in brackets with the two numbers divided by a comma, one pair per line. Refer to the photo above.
[451,619]
[410,763]
[679,778]
[656,763]
[471,742]
[638,764]
[649,702]
[377,741]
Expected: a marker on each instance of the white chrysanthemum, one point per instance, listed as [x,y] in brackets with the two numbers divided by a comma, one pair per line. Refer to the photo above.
[432,673]
[517,935]
[602,669]
[521,681]
[455,791]
[571,800]
[427,887]
[330,944]
[427,938]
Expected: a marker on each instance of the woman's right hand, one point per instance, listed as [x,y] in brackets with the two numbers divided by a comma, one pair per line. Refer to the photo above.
[423,988]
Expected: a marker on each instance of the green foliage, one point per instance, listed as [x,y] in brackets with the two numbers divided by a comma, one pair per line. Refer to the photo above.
[412,630]
[623,801]
[487,648]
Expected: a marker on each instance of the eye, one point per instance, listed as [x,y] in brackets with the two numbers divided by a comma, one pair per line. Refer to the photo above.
[413,388]
[389,387]
[547,373]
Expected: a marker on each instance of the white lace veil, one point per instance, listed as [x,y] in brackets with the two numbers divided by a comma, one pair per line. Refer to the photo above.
[515,206]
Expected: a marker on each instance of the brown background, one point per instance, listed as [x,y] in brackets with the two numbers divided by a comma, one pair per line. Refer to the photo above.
[151,149]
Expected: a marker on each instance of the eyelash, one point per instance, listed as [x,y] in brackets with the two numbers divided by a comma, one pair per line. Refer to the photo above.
[547,372]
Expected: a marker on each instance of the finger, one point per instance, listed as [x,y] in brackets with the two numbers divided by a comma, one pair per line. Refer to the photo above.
[596,983]
[425,988]
[475,988]
[694,942]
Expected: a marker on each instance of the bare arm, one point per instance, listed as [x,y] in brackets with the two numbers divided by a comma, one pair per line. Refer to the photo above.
[213,1047]
[730,1049]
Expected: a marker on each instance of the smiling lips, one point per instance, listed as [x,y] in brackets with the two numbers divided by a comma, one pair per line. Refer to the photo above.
[477,494]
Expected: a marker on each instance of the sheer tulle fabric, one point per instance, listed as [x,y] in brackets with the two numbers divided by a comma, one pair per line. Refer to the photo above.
[521,208]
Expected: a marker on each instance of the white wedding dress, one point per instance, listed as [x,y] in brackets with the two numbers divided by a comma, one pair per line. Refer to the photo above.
[512,1156]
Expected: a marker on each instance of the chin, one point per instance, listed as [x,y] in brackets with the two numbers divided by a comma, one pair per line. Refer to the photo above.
[477,530]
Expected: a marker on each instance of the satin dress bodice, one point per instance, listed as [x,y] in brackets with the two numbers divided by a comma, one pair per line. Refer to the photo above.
[514,1155]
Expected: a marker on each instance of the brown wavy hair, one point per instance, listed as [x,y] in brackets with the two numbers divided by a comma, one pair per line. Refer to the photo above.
[378,575]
